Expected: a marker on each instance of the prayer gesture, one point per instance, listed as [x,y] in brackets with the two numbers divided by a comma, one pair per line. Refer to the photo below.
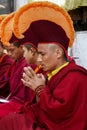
[32,80]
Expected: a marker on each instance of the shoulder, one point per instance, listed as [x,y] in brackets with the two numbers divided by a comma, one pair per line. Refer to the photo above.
[8,59]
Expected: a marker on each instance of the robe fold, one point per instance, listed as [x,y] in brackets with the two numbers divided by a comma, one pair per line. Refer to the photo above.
[19,94]
[17,89]
[5,64]
[62,106]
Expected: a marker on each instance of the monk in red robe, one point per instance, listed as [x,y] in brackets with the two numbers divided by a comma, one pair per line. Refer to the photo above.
[14,74]
[5,63]
[19,93]
[62,103]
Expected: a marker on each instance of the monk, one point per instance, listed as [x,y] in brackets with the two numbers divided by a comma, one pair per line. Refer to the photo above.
[30,54]
[19,94]
[62,104]
[62,101]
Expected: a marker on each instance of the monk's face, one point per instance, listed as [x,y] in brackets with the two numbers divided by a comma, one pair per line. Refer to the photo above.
[28,54]
[47,57]
[15,52]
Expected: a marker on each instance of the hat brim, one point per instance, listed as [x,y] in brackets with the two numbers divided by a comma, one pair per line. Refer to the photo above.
[42,11]
[6,29]
[3,16]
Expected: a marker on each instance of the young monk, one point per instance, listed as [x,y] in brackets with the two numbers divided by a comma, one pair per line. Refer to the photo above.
[30,53]
[19,93]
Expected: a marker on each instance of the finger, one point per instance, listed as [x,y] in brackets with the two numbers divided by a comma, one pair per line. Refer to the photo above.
[25,77]
[23,81]
[26,83]
[31,71]
[41,76]
[26,71]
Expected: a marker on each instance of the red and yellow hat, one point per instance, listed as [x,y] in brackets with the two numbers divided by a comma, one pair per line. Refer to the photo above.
[2,17]
[7,29]
[39,11]
[8,37]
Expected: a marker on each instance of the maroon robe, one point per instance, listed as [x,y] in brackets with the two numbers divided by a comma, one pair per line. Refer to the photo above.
[4,66]
[62,106]
[18,90]
[19,93]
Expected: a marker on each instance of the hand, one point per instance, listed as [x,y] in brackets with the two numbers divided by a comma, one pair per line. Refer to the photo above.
[32,80]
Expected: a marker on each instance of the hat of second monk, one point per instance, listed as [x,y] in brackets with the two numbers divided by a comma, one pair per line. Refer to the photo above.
[8,37]
[29,38]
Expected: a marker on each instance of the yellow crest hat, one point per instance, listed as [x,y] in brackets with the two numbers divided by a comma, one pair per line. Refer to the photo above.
[2,17]
[42,11]
[6,29]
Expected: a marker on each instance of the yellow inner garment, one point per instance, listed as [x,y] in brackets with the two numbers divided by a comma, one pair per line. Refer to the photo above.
[50,75]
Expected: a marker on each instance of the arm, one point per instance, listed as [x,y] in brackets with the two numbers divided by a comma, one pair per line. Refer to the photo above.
[66,100]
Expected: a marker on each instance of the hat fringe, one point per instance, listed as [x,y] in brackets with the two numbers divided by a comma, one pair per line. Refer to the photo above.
[6,29]
[2,17]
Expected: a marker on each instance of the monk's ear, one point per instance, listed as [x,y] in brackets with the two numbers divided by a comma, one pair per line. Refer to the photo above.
[59,52]
[33,51]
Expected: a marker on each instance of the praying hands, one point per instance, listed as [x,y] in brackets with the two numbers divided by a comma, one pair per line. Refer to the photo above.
[34,81]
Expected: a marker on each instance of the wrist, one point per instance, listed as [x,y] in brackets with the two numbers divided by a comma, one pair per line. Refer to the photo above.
[38,90]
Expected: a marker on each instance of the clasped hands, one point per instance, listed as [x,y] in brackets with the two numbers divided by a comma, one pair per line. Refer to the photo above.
[31,79]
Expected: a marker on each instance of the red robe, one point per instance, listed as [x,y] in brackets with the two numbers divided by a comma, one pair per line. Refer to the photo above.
[5,64]
[62,106]
[19,92]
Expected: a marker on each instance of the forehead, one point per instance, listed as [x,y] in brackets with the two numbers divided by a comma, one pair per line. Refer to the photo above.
[43,47]
[11,47]
[25,49]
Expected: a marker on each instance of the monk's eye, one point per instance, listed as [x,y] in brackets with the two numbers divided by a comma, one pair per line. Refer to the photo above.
[42,54]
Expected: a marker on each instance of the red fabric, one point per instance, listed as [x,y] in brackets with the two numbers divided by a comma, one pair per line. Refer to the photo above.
[19,92]
[48,32]
[63,104]
[10,107]
[4,66]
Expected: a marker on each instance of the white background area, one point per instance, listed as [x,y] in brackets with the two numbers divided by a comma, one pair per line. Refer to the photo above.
[79,48]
